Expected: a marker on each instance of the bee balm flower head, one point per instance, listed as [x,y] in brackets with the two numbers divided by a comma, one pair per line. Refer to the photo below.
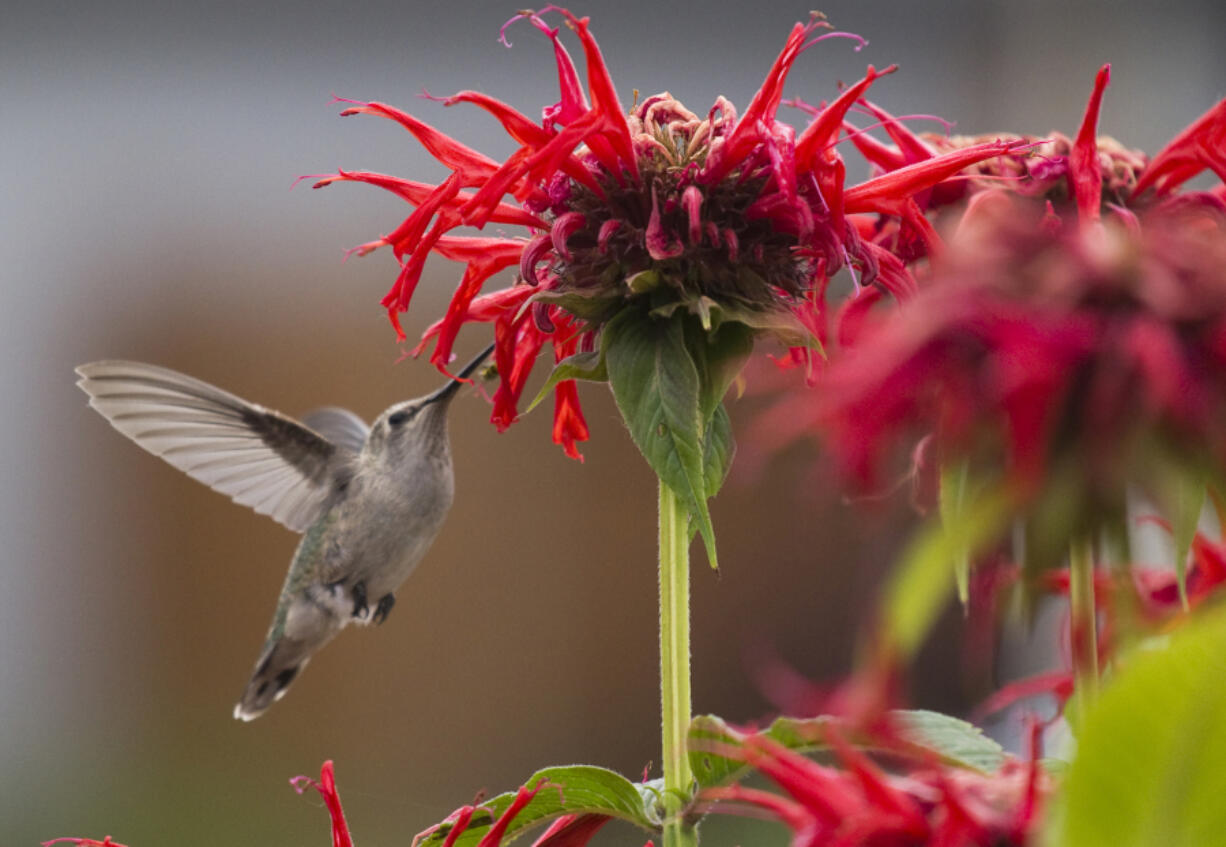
[715,218]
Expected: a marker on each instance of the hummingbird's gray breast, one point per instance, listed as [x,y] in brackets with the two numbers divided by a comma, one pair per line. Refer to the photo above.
[385,528]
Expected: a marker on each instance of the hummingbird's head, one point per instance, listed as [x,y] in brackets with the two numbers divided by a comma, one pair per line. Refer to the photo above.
[416,426]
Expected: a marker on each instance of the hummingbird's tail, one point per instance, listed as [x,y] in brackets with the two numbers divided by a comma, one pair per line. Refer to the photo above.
[277,669]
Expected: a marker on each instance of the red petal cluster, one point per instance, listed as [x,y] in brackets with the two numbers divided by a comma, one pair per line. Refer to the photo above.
[599,191]
[1078,176]
[860,803]
[1054,339]
[566,831]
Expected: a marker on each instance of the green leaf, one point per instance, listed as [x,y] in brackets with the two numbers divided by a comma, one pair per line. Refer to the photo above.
[718,451]
[918,588]
[589,366]
[595,307]
[719,357]
[576,789]
[657,387]
[644,281]
[954,742]
[713,315]
[1148,768]
[952,502]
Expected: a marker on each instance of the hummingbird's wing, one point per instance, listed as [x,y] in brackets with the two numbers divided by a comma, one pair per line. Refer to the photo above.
[340,426]
[256,456]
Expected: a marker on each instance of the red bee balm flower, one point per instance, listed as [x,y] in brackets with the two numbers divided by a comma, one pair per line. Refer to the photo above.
[1078,176]
[1064,365]
[674,216]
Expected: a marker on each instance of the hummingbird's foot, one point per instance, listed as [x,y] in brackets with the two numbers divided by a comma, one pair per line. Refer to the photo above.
[360,609]
[384,606]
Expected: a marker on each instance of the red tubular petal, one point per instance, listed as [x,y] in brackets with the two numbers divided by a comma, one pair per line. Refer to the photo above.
[604,96]
[573,101]
[460,822]
[912,147]
[877,152]
[691,201]
[564,226]
[475,275]
[660,243]
[406,237]
[1057,684]
[823,131]
[478,210]
[518,342]
[476,249]
[531,257]
[326,786]
[765,102]
[443,147]
[419,192]
[1084,170]
[876,790]
[569,425]
[820,790]
[888,192]
[518,125]
[791,814]
[397,299]
[607,229]
[525,132]
[493,837]
[571,831]
[1201,145]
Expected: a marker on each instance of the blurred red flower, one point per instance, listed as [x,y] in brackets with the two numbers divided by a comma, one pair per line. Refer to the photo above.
[916,804]
[1082,175]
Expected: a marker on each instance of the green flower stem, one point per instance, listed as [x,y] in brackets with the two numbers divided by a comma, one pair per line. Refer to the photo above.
[675,665]
[1083,615]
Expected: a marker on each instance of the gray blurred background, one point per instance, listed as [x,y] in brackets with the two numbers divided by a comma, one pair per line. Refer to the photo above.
[147,151]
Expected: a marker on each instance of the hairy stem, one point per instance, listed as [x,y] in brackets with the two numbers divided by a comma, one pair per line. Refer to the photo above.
[675,665]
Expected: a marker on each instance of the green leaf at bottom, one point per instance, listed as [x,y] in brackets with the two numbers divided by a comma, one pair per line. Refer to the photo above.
[952,741]
[1150,753]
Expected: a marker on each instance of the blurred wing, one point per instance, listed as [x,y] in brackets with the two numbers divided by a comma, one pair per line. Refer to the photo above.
[340,426]
[256,456]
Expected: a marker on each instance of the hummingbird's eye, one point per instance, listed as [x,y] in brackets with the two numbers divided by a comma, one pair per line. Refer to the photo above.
[401,417]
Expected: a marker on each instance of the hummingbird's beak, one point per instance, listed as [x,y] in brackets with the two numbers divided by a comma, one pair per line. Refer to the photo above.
[448,391]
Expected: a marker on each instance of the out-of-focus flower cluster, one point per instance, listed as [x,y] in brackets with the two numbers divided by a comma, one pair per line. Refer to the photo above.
[1068,340]
[1143,602]
[918,802]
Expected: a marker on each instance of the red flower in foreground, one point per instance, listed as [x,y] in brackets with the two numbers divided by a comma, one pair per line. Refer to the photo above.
[858,803]
[1066,358]
[84,842]
[726,216]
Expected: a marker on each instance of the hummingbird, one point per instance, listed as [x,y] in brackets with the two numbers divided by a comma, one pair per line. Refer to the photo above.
[368,500]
